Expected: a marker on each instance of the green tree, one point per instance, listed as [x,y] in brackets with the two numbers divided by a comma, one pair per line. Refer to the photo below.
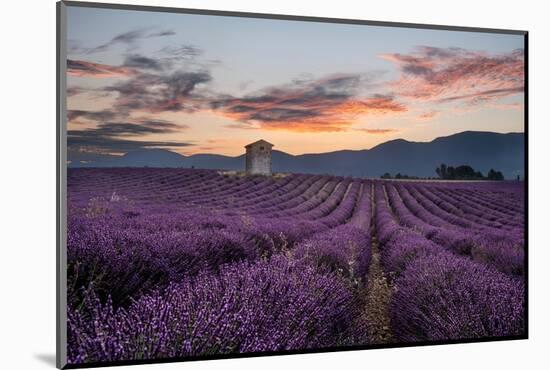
[495,175]
[442,171]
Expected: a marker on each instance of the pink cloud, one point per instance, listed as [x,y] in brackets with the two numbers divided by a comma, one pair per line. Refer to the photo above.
[426,116]
[513,106]
[454,74]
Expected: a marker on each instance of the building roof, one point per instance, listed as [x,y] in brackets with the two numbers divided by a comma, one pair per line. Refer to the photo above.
[259,142]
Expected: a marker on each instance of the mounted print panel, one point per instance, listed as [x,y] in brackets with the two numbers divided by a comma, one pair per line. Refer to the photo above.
[238,184]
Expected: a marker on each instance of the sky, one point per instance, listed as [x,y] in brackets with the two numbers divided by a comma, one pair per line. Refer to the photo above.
[212,84]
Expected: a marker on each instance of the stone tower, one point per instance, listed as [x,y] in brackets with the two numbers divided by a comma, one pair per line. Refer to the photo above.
[258,158]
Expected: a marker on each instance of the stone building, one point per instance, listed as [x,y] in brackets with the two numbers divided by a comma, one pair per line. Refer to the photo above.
[258,158]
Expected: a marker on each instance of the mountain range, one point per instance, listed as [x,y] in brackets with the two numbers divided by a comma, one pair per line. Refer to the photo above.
[481,150]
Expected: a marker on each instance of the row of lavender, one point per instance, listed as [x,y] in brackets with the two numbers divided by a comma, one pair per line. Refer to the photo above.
[441,293]
[489,249]
[467,234]
[211,190]
[153,280]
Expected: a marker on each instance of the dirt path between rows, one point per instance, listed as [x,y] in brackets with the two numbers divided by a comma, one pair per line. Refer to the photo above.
[379,293]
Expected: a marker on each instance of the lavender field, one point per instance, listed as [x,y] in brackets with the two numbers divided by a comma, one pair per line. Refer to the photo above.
[182,262]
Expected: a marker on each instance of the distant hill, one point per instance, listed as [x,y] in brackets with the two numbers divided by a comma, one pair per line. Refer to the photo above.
[481,150]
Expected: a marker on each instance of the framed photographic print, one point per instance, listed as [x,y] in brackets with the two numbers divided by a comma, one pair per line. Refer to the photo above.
[235,184]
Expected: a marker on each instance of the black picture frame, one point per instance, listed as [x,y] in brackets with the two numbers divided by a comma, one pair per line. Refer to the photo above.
[61,175]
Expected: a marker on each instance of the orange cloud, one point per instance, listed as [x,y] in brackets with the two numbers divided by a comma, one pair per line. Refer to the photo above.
[326,105]
[377,131]
[81,68]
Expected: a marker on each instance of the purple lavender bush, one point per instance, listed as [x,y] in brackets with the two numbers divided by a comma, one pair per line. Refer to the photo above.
[500,251]
[248,307]
[123,258]
[271,236]
[344,249]
[445,297]
[405,247]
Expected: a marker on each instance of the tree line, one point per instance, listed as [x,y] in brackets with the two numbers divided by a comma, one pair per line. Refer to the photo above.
[466,172]
[444,172]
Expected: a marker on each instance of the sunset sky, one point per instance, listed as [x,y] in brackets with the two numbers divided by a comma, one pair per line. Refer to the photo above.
[211,84]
